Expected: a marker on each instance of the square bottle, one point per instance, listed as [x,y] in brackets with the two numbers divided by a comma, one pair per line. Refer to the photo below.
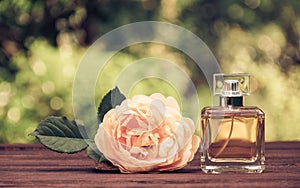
[232,135]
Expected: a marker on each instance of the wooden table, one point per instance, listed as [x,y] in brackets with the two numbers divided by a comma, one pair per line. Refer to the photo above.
[35,166]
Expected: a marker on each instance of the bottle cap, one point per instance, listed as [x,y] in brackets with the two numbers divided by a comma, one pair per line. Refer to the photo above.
[232,85]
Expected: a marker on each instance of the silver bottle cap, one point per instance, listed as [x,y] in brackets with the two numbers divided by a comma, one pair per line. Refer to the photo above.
[231,88]
[232,85]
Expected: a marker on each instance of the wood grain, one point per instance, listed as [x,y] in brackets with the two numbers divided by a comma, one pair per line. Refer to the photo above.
[35,166]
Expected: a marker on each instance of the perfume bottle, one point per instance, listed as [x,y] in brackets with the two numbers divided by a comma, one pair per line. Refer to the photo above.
[232,134]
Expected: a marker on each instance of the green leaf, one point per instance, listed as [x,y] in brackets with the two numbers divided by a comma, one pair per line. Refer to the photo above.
[95,154]
[113,98]
[60,134]
[101,162]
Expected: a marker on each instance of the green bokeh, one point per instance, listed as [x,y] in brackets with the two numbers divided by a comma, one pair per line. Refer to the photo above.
[42,43]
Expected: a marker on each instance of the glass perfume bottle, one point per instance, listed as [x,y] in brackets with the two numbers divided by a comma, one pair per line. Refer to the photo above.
[232,134]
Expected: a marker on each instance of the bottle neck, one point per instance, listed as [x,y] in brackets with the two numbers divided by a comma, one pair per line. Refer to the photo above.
[231,101]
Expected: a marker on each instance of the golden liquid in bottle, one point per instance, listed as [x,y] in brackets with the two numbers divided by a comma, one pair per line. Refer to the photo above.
[234,140]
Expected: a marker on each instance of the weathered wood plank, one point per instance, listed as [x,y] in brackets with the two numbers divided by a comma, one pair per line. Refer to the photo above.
[35,166]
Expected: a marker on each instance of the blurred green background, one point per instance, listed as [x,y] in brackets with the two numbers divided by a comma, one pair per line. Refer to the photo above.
[42,43]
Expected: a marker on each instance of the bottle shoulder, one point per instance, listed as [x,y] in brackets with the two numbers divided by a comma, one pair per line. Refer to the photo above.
[235,110]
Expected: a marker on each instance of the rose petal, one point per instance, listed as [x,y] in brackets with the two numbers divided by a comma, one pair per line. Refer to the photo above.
[147,134]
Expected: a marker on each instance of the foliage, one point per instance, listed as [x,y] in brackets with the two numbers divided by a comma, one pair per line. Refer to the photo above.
[42,86]
[60,134]
[42,42]
[109,101]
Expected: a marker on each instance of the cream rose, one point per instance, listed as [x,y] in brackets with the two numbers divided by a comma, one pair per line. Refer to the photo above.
[147,134]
